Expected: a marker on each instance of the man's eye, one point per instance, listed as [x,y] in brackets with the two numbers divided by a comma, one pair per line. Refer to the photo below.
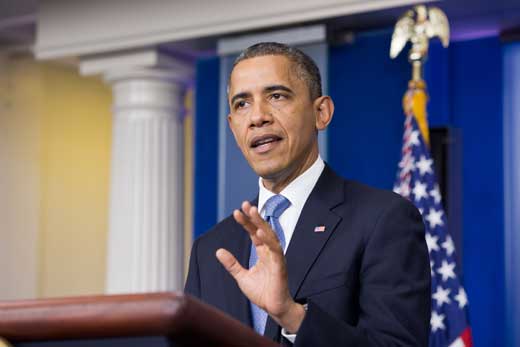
[240,104]
[277,96]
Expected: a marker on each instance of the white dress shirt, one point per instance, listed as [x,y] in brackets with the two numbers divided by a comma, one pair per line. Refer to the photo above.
[297,192]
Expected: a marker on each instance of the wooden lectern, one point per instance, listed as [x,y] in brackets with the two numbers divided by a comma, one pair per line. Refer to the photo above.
[158,319]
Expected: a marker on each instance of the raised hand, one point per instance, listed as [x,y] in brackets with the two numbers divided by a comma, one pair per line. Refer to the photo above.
[265,284]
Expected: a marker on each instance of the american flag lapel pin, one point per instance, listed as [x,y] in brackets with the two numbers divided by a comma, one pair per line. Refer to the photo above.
[319,229]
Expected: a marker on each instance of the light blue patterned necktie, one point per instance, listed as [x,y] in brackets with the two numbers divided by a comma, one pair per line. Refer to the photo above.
[274,207]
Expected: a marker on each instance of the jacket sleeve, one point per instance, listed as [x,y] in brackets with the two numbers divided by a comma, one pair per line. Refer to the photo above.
[192,285]
[394,296]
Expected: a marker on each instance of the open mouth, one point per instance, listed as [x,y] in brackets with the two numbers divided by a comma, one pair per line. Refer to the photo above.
[264,140]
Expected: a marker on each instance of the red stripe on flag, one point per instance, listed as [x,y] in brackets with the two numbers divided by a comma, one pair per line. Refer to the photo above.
[466,337]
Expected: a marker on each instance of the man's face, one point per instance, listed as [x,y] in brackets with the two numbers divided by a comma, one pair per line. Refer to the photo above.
[272,116]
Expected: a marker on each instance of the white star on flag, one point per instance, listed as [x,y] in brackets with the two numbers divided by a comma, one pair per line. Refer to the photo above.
[432,265]
[435,194]
[431,242]
[435,218]
[419,191]
[446,270]
[424,165]
[461,298]
[437,321]
[413,140]
[442,296]
[448,245]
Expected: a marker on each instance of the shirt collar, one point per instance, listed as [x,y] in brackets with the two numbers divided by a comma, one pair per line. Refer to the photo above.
[298,190]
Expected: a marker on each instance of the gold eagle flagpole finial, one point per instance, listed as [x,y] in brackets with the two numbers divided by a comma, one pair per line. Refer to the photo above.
[418,26]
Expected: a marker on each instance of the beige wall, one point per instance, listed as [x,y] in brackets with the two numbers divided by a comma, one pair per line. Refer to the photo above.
[76,133]
[20,96]
[55,130]
[55,134]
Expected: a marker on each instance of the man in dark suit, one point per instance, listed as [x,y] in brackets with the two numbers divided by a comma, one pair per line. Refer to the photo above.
[315,260]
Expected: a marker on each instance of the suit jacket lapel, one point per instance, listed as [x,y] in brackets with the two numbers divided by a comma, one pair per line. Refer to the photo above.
[306,244]
[240,247]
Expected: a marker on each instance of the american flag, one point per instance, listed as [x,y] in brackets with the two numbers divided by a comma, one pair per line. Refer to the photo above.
[416,181]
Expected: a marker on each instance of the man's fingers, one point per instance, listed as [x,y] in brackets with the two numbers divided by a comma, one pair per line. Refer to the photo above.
[256,219]
[253,222]
[249,217]
[230,263]
[244,220]
[246,223]
[268,235]
[250,227]
[270,239]
[246,205]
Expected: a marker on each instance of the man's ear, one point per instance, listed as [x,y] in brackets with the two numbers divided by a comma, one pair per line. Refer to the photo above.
[229,121]
[230,124]
[324,108]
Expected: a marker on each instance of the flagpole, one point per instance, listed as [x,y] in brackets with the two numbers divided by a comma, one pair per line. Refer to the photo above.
[416,180]
[418,26]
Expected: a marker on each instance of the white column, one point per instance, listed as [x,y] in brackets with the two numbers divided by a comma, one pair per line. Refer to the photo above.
[145,249]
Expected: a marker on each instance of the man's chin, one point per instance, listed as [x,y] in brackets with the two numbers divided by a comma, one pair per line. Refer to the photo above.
[267,172]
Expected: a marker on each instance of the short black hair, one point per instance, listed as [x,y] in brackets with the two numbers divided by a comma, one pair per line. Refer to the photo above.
[305,67]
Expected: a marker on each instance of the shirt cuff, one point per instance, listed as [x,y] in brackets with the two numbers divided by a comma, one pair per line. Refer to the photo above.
[290,337]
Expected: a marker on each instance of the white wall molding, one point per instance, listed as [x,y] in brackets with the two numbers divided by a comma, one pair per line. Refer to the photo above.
[129,62]
[71,28]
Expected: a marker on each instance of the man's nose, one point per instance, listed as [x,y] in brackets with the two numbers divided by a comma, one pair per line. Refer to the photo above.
[261,115]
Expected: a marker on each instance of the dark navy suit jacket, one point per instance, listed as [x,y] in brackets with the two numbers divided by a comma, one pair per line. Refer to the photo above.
[366,278]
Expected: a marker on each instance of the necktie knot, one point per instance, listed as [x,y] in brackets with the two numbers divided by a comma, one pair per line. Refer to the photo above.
[276,205]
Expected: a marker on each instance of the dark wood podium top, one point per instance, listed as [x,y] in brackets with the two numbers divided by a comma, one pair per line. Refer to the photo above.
[183,319]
